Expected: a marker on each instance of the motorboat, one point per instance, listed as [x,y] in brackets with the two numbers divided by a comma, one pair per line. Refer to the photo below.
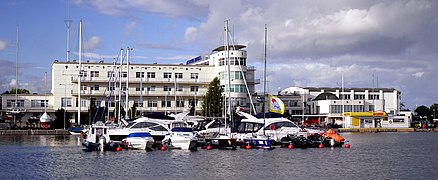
[158,125]
[277,129]
[139,140]
[76,130]
[181,138]
[97,139]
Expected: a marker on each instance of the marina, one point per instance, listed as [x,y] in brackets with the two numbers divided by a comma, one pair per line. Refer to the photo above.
[371,156]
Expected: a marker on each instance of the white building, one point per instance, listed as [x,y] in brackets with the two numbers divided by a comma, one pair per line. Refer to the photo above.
[349,107]
[151,88]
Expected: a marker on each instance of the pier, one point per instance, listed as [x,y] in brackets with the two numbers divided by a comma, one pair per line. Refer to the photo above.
[35,132]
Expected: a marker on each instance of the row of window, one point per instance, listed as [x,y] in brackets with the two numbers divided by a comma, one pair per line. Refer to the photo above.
[361,96]
[233,61]
[141,88]
[124,74]
[347,108]
[234,75]
[241,88]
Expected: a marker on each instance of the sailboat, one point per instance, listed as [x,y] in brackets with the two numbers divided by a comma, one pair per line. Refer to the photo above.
[249,136]
[45,119]
[15,112]
[225,141]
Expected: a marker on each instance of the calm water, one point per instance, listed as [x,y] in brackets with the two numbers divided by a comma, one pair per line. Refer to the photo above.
[371,156]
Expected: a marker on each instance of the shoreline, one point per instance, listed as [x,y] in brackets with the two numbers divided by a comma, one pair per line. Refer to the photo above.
[366,130]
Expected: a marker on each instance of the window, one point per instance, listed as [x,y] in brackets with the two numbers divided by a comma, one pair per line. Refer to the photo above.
[167,88]
[65,102]
[152,103]
[359,96]
[83,102]
[124,74]
[139,74]
[151,74]
[179,75]
[84,73]
[194,75]
[151,88]
[166,103]
[180,103]
[138,102]
[95,87]
[193,102]
[346,96]
[94,73]
[371,108]
[84,87]
[36,103]
[167,75]
[111,74]
[138,88]
[112,88]
[373,96]
[194,88]
[179,88]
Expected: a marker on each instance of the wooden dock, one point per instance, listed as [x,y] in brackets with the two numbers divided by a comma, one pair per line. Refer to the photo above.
[35,132]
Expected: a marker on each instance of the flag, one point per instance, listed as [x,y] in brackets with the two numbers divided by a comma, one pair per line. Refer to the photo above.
[275,104]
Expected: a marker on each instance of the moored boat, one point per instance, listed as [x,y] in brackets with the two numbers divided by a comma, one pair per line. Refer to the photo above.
[181,138]
[139,140]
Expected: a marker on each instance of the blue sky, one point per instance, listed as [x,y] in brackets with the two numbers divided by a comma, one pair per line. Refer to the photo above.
[310,43]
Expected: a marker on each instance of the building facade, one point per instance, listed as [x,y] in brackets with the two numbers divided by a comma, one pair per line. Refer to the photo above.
[348,107]
[165,88]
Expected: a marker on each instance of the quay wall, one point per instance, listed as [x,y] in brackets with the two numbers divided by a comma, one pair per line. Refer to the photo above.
[386,130]
[35,132]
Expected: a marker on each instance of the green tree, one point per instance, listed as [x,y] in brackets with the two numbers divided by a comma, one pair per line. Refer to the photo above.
[434,110]
[20,91]
[58,123]
[212,103]
[423,111]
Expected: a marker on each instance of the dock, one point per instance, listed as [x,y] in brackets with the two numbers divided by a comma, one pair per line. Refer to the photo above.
[35,132]
[362,130]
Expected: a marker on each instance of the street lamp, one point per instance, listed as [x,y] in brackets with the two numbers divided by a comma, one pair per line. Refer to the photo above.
[64,101]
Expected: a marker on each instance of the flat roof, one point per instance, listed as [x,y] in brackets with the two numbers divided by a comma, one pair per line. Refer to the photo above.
[235,47]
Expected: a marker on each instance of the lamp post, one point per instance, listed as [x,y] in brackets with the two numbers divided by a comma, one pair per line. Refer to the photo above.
[64,101]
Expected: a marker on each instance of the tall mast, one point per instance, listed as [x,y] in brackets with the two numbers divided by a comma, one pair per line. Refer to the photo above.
[45,94]
[80,73]
[264,81]
[127,83]
[229,73]
[16,71]
[120,85]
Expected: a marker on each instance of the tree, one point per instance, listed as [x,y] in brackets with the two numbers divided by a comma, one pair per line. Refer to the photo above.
[212,103]
[20,91]
[59,119]
[422,111]
[434,110]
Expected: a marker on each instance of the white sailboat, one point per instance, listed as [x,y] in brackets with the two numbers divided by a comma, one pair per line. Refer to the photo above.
[45,119]
[15,112]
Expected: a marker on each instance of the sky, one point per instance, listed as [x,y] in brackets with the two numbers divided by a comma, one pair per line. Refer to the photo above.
[311,43]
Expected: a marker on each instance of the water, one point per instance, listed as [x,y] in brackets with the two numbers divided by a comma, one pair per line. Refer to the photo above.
[371,156]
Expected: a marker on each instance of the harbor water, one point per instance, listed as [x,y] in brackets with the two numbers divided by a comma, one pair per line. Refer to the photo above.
[371,156]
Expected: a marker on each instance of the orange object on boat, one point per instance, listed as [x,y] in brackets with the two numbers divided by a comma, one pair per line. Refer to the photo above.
[332,134]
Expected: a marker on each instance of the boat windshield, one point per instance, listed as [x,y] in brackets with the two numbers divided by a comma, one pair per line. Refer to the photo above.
[278,125]
[249,127]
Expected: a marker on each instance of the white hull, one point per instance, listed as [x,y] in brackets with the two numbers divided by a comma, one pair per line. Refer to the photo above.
[140,142]
[182,142]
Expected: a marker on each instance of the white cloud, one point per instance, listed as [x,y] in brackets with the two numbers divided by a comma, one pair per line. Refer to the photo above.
[92,43]
[2,44]
[418,74]
[179,57]
[190,34]
[129,27]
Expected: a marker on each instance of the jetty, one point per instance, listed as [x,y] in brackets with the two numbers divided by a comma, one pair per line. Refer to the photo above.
[361,130]
[35,132]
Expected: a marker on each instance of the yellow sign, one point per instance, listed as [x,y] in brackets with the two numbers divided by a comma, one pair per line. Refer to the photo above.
[365,114]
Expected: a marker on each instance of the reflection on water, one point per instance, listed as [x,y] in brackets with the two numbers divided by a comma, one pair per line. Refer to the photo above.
[371,156]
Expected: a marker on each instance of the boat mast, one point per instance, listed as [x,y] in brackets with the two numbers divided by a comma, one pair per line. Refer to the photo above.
[120,85]
[264,82]
[16,72]
[229,74]
[127,83]
[80,73]
[45,92]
